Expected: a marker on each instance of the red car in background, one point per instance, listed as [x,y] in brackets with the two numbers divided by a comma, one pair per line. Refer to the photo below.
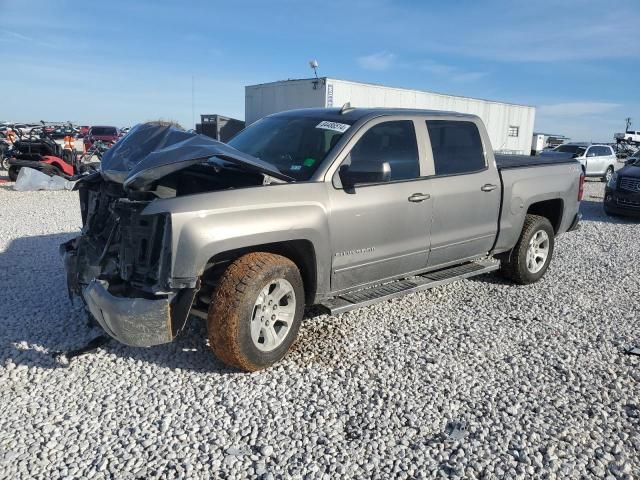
[104,134]
[83,130]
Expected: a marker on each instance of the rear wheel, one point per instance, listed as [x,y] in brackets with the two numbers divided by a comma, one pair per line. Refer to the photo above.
[608,174]
[532,254]
[255,311]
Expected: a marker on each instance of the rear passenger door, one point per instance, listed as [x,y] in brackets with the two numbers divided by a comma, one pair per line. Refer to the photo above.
[465,191]
[594,160]
[609,158]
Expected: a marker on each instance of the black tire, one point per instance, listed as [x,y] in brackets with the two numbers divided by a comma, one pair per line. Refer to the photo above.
[515,267]
[607,174]
[233,309]
[13,173]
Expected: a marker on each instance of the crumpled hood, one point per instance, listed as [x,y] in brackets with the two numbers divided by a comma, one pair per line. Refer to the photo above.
[149,152]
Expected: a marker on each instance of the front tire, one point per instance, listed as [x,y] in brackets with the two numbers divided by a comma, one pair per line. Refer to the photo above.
[532,254]
[256,311]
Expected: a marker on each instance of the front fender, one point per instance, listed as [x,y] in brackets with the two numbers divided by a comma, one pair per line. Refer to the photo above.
[206,225]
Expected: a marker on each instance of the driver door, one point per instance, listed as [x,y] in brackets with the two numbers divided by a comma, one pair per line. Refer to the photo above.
[380,226]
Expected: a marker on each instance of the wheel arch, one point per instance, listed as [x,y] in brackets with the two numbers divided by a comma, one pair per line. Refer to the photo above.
[301,252]
[551,209]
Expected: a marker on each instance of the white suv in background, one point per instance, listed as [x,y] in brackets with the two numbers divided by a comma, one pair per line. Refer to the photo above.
[631,136]
[597,160]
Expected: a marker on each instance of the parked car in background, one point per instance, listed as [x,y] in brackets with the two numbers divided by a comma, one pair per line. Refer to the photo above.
[596,160]
[105,134]
[630,136]
[622,192]
[337,207]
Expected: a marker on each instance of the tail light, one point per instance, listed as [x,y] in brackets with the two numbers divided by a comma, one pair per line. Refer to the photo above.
[581,187]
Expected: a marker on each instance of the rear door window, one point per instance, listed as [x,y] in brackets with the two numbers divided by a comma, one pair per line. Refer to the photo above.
[457,147]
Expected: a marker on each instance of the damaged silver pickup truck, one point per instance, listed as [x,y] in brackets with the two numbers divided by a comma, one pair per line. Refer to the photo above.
[336,207]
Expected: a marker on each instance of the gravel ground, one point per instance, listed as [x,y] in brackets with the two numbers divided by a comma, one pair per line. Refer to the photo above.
[536,375]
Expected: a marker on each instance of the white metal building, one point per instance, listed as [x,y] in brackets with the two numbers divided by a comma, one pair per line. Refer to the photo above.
[510,126]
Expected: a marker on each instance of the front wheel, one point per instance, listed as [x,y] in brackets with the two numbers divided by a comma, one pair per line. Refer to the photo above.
[608,174]
[255,311]
[532,254]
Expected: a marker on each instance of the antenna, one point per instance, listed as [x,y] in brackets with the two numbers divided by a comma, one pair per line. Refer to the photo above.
[346,108]
[314,66]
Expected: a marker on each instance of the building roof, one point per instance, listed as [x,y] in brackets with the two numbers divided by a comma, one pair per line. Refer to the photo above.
[325,79]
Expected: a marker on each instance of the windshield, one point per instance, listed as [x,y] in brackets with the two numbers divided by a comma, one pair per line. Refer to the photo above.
[294,145]
[570,149]
[103,131]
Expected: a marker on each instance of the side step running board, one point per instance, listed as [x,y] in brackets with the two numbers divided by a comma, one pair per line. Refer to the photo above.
[369,296]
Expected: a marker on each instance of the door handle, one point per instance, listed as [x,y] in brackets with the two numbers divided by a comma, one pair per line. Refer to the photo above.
[488,187]
[419,197]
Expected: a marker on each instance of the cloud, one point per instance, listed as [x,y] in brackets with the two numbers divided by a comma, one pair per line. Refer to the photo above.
[577,109]
[7,35]
[377,61]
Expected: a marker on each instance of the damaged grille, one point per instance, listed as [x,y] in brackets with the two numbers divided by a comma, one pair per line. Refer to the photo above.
[119,244]
[140,244]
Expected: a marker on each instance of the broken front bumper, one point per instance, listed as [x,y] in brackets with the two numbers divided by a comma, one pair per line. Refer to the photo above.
[138,322]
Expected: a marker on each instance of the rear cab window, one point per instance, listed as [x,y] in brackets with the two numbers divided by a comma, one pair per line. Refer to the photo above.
[456,146]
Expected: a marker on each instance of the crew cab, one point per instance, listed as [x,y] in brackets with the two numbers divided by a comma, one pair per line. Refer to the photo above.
[333,207]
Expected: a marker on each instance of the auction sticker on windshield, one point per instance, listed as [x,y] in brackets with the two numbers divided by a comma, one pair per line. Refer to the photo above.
[335,126]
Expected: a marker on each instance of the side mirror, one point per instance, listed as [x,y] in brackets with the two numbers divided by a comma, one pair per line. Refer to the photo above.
[364,172]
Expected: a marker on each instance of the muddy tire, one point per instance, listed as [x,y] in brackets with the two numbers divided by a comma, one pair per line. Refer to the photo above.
[255,311]
[532,254]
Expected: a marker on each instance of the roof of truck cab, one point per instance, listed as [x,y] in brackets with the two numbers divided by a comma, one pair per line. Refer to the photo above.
[354,114]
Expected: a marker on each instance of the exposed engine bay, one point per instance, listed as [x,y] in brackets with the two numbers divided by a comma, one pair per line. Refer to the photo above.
[122,258]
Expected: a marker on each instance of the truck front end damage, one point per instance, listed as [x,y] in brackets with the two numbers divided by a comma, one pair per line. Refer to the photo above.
[120,265]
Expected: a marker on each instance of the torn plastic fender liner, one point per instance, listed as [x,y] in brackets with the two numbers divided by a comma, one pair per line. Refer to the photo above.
[149,152]
[138,322]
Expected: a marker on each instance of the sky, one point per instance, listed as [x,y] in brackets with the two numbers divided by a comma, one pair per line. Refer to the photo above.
[122,62]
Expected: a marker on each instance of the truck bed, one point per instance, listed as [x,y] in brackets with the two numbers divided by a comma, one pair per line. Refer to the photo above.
[504,162]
